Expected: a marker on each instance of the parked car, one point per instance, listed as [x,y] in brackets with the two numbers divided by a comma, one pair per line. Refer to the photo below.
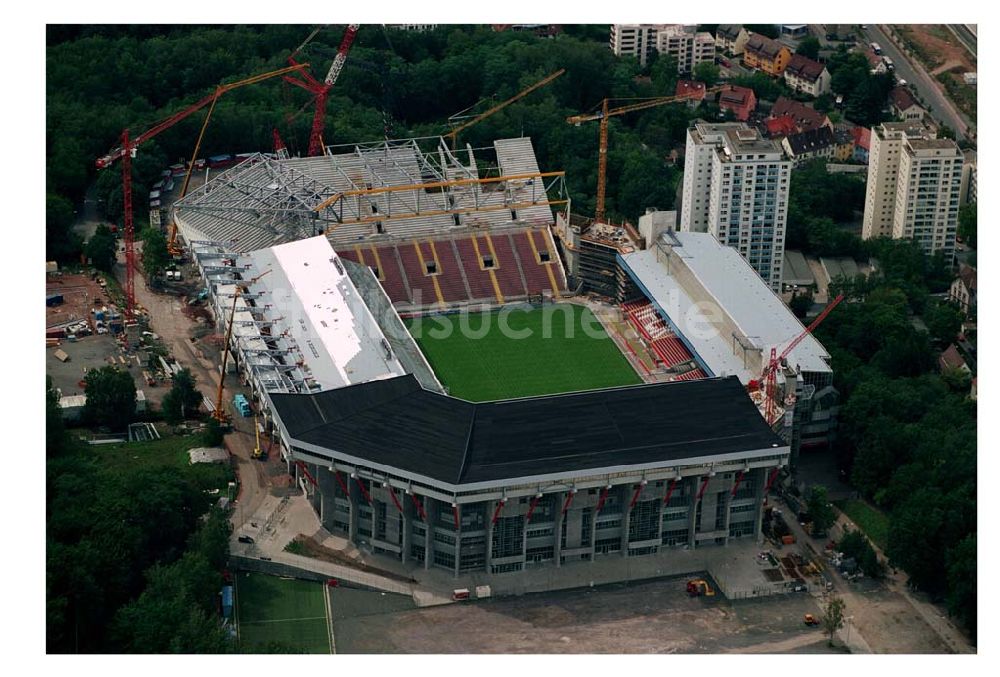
[245,539]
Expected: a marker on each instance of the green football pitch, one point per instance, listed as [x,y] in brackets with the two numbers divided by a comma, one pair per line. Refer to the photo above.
[292,612]
[521,352]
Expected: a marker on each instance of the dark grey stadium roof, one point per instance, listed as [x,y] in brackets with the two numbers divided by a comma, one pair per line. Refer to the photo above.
[397,423]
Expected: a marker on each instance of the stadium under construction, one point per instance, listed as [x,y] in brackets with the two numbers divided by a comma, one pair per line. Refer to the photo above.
[317,260]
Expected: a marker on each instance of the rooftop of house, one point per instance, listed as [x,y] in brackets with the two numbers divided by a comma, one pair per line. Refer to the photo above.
[805,68]
[780,126]
[806,117]
[811,141]
[764,46]
[902,98]
[690,88]
[729,31]
[862,137]
[952,358]
[736,96]
[968,277]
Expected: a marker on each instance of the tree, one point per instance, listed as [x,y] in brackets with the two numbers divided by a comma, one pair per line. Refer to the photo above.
[54,430]
[833,618]
[184,385]
[110,397]
[809,47]
[801,303]
[61,243]
[102,248]
[707,72]
[155,257]
[820,511]
[767,30]
[171,408]
[945,132]
[213,434]
[943,320]
[967,217]
[961,566]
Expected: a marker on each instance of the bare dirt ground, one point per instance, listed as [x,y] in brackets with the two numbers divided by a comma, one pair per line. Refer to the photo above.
[80,295]
[649,617]
[937,47]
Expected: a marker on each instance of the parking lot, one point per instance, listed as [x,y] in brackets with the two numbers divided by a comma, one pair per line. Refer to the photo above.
[649,617]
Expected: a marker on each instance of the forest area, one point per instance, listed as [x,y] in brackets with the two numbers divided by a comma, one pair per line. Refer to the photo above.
[102,79]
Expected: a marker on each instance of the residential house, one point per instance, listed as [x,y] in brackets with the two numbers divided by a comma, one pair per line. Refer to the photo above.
[694,90]
[843,148]
[731,38]
[806,117]
[766,55]
[862,143]
[876,62]
[903,105]
[741,100]
[683,42]
[805,146]
[952,359]
[963,289]
[805,75]
[780,127]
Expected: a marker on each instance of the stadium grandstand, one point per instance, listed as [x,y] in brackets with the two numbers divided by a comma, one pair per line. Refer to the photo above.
[437,227]
[318,260]
[697,300]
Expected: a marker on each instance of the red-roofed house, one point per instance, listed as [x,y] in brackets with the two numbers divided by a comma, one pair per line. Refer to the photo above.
[808,76]
[694,90]
[952,359]
[780,127]
[806,118]
[862,143]
[741,100]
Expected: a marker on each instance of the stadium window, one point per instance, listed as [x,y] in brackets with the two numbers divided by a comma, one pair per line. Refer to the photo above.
[543,256]
[431,267]
[488,261]
[513,215]
[375,270]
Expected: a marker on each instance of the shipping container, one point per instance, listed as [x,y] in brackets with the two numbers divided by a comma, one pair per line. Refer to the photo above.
[53,299]
[61,356]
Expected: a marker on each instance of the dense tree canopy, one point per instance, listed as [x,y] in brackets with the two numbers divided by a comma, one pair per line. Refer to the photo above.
[102,248]
[110,397]
[808,47]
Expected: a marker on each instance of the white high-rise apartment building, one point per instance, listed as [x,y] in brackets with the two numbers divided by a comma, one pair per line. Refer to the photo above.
[883,171]
[928,194]
[736,188]
[681,41]
[914,187]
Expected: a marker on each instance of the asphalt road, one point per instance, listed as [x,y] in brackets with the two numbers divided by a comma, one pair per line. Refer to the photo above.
[965,36]
[935,100]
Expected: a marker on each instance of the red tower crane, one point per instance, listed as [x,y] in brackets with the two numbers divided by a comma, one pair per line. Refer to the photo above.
[322,89]
[127,151]
[767,377]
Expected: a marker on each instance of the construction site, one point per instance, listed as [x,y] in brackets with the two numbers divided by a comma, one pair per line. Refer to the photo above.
[308,267]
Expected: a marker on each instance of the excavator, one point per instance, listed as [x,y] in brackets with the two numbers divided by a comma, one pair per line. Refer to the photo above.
[698,587]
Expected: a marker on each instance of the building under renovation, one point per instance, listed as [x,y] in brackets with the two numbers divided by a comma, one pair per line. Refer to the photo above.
[439,228]
[705,300]
[314,259]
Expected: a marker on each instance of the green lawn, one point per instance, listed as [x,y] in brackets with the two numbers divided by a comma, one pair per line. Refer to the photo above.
[553,349]
[168,451]
[293,612]
[872,521]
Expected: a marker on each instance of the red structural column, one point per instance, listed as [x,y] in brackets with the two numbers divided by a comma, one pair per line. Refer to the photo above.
[770,481]
[635,496]
[603,497]
[392,495]
[364,492]
[419,505]
[343,485]
[736,484]
[496,513]
[531,508]
[569,499]
[704,485]
[454,511]
[670,491]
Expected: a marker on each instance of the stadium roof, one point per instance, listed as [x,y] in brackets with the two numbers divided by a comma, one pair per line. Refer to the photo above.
[396,425]
[300,323]
[739,293]
[265,201]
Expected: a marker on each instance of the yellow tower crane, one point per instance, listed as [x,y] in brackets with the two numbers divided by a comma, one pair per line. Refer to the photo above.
[453,134]
[172,245]
[604,115]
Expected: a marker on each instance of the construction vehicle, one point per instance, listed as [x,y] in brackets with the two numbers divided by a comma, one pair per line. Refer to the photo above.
[127,151]
[257,453]
[699,587]
[810,620]
[604,115]
[453,134]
